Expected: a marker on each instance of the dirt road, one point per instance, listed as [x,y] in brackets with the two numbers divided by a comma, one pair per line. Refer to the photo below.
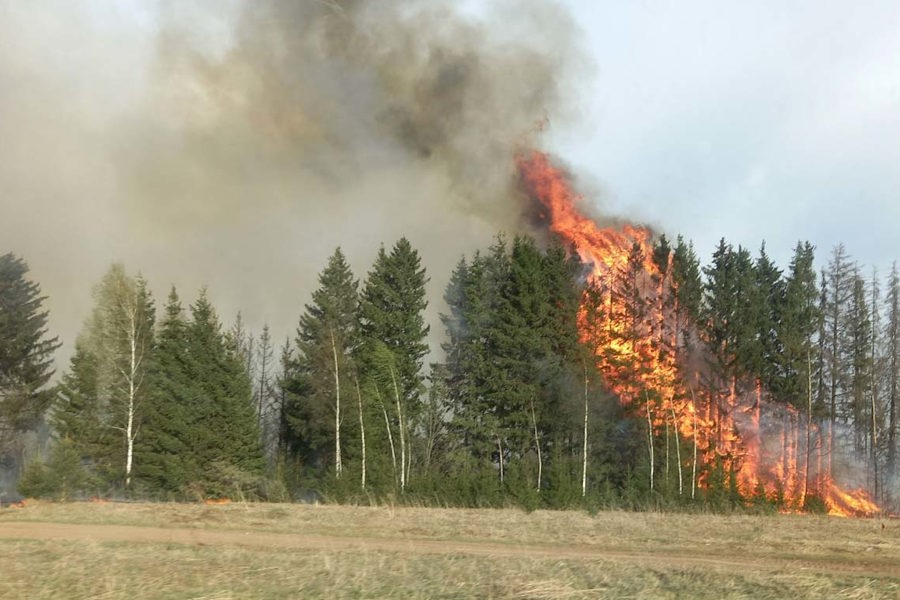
[868,566]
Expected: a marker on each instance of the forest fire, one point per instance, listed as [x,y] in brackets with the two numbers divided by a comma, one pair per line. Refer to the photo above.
[717,432]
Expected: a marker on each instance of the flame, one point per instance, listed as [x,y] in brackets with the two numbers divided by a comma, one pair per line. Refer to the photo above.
[216,501]
[628,315]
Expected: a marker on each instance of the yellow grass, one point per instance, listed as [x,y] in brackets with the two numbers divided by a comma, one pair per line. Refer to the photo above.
[294,551]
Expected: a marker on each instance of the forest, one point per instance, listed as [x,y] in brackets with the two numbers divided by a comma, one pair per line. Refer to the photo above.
[636,378]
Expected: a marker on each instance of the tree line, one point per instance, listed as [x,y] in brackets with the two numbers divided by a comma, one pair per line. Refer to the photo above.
[518,407]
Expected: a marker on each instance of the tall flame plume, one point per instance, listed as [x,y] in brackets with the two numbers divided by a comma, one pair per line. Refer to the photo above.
[629,316]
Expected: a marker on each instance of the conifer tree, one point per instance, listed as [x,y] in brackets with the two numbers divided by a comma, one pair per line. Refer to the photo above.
[202,437]
[75,413]
[798,327]
[165,460]
[321,384]
[892,376]
[391,319]
[26,350]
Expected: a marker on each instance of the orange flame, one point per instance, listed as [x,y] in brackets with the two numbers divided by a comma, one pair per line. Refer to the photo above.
[216,501]
[628,315]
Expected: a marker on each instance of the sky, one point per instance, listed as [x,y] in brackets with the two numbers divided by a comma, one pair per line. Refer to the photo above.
[775,121]
[752,121]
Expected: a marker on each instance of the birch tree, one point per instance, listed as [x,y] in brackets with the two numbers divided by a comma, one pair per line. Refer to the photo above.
[117,342]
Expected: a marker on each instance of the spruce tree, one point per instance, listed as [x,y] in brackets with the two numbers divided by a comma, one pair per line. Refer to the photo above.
[26,350]
[76,412]
[321,384]
[797,331]
[392,305]
[391,319]
[165,462]
[202,437]
[892,378]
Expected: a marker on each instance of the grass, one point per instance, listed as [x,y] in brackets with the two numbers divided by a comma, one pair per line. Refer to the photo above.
[447,553]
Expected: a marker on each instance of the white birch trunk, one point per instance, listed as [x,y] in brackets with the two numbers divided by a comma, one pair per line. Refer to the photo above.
[387,425]
[584,448]
[500,455]
[694,463]
[400,426]
[132,392]
[337,408]
[537,445]
[678,453]
[362,435]
[650,442]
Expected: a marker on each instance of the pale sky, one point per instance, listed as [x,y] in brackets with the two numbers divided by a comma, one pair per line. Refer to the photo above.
[775,120]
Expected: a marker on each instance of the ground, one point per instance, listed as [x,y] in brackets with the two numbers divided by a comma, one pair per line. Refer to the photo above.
[91,550]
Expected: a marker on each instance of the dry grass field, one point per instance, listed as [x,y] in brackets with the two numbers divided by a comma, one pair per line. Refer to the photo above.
[98,550]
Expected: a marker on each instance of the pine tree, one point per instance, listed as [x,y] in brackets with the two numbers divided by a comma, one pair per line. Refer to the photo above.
[797,330]
[26,351]
[892,377]
[165,461]
[202,437]
[392,306]
[835,377]
[770,305]
[687,294]
[391,310]
[321,385]
[76,412]
[226,442]
[859,340]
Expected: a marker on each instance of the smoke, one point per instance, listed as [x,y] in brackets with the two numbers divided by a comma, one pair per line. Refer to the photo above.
[236,144]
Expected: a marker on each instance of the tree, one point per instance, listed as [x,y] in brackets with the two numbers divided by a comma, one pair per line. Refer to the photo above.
[205,440]
[26,350]
[108,382]
[837,293]
[391,320]
[798,327]
[892,368]
[321,382]
[165,460]
[76,411]
[264,392]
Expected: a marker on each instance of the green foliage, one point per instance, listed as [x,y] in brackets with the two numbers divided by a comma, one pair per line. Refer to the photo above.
[101,399]
[26,350]
[815,504]
[202,437]
[320,381]
[62,477]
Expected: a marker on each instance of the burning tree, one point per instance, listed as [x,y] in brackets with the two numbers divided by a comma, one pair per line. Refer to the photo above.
[701,372]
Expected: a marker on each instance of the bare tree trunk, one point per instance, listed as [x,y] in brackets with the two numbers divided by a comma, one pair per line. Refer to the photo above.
[537,445]
[500,455]
[401,426]
[874,446]
[678,453]
[666,421]
[650,440]
[132,393]
[584,449]
[387,426]
[337,408]
[808,424]
[694,464]
[362,435]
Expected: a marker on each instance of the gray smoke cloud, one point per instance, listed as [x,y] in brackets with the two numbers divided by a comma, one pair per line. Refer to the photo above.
[236,144]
